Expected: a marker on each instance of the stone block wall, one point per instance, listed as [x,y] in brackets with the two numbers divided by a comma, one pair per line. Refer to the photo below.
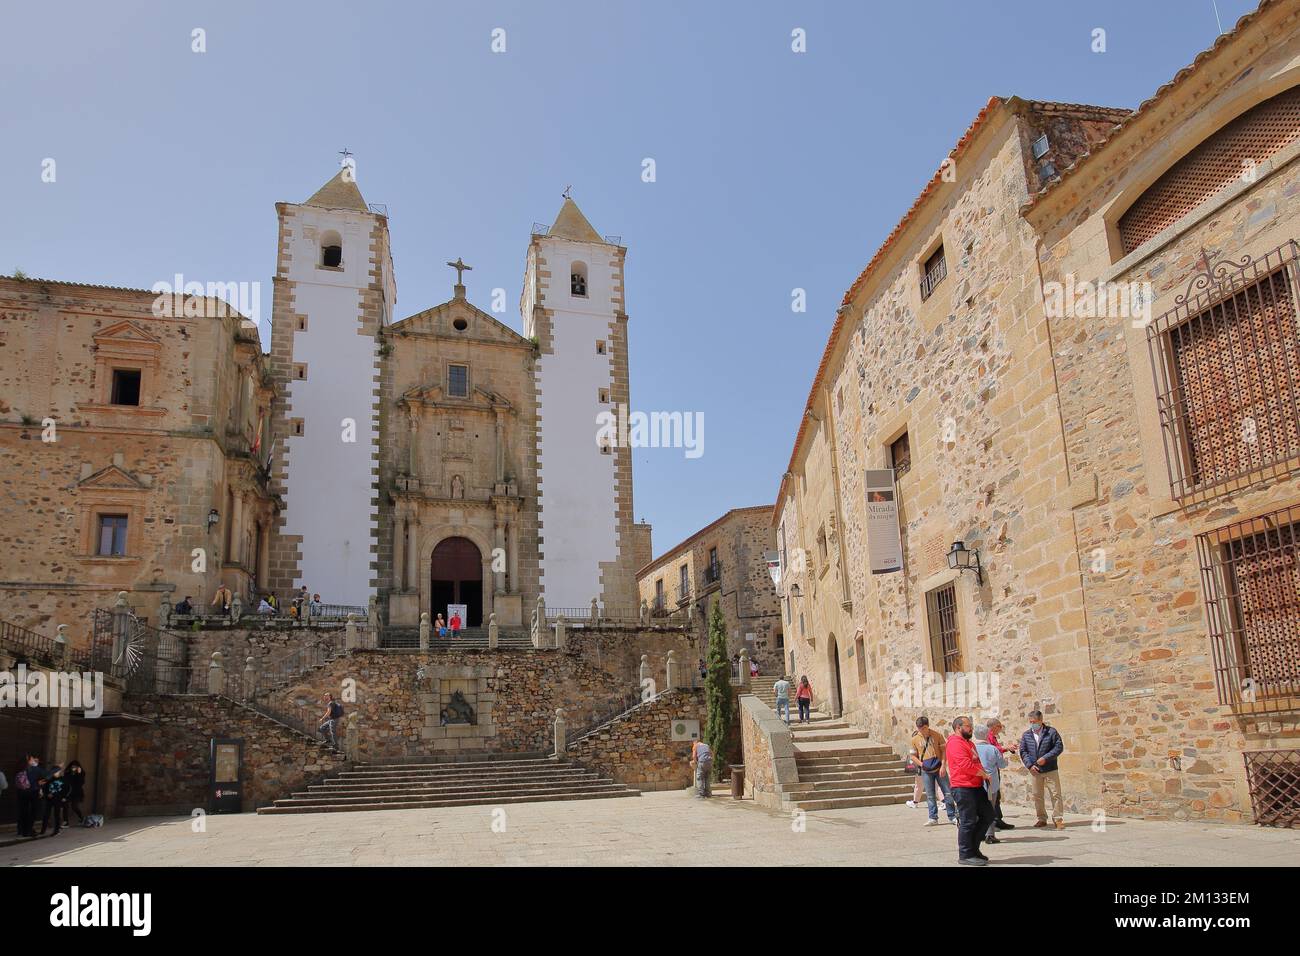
[639,750]
[768,749]
[164,766]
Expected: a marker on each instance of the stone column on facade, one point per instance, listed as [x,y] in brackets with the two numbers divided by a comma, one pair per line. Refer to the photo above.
[560,727]
[216,674]
[264,556]
[236,554]
[493,633]
[499,576]
[399,550]
[425,630]
[500,442]
[413,449]
[415,554]
[512,555]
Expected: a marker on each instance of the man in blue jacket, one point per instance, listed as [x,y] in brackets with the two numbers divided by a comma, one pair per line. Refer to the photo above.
[1039,748]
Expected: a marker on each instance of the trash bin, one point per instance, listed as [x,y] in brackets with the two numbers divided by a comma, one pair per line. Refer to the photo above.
[737,781]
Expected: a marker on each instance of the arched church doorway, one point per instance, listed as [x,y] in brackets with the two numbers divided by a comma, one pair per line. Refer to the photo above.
[457,572]
[837,688]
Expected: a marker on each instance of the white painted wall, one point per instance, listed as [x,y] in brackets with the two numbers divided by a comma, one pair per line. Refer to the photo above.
[579,522]
[329,481]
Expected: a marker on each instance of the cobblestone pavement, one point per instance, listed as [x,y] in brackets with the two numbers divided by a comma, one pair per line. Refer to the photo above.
[667,828]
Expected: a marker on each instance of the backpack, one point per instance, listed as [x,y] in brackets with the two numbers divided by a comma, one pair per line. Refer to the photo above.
[336,710]
[21,781]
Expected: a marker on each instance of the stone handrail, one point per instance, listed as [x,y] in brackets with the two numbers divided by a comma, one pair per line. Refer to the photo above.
[770,768]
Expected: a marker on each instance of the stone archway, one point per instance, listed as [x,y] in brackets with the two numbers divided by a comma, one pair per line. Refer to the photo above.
[456,577]
[836,695]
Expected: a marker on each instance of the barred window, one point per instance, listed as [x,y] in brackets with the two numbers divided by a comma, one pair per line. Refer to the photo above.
[900,456]
[1228,156]
[1227,369]
[458,381]
[1251,577]
[934,272]
[941,613]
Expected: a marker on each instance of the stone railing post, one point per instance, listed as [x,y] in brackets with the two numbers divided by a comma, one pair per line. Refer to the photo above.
[372,613]
[350,632]
[64,648]
[121,626]
[164,612]
[493,632]
[236,608]
[670,678]
[560,725]
[304,612]
[250,679]
[595,610]
[742,678]
[216,675]
[644,615]
[559,633]
[426,629]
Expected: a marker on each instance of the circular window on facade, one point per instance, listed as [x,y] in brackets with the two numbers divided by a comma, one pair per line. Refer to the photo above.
[460,325]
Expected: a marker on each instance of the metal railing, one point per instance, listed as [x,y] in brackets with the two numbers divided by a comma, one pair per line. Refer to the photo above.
[627,703]
[935,274]
[146,659]
[1274,780]
[30,644]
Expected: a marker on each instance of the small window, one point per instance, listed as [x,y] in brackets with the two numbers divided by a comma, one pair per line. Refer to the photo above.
[112,536]
[604,448]
[900,456]
[331,250]
[936,268]
[600,347]
[602,395]
[300,371]
[941,614]
[659,594]
[302,323]
[578,280]
[296,424]
[460,325]
[126,386]
[458,381]
[1040,147]
[684,582]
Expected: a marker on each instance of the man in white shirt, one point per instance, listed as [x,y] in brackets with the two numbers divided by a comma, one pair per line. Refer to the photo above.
[782,690]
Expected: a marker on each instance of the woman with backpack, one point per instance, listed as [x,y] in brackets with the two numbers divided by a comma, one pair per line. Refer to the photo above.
[56,796]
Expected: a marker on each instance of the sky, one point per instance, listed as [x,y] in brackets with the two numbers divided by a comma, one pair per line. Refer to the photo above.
[774,170]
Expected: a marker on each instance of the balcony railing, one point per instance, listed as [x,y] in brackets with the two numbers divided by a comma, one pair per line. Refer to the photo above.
[711,575]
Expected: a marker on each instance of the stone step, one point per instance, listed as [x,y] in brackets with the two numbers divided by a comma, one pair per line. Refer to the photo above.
[468,766]
[841,757]
[482,783]
[837,748]
[618,790]
[420,793]
[841,803]
[882,773]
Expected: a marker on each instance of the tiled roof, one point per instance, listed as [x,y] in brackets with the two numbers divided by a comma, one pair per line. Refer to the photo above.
[1178,79]
[78,285]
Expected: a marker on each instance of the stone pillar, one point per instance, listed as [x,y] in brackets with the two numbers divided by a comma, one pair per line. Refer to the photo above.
[61,642]
[499,577]
[399,552]
[645,612]
[350,632]
[250,678]
[670,679]
[560,726]
[413,554]
[539,622]
[492,630]
[512,555]
[372,614]
[595,610]
[216,675]
[236,607]
[559,633]
[264,557]
[742,677]
[425,630]
[644,678]
[413,451]
[236,555]
[164,612]
[500,471]
[57,743]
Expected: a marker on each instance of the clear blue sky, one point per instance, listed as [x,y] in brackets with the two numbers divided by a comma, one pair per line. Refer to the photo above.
[775,170]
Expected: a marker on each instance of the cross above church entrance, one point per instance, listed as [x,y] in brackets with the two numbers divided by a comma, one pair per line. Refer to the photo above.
[461,269]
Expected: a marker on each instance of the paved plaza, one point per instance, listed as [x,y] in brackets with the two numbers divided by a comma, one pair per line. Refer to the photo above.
[658,829]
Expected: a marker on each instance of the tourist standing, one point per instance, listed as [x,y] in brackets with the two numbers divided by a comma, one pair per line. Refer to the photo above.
[439,626]
[1039,747]
[28,785]
[930,751]
[75,775]
[455,623]
[992,733]
[803,696]
[330,720]
[782,691]
[56,794]
[702,764]
[968,776]
[994,762]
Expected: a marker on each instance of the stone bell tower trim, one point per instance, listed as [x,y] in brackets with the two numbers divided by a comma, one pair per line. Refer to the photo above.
[334,292]
[573,306]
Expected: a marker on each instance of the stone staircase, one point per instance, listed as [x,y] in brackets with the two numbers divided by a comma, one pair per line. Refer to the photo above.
[839,766]
[493,780]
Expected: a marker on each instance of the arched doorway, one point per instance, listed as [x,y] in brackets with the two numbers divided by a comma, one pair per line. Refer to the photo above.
[837,688]
[457,578]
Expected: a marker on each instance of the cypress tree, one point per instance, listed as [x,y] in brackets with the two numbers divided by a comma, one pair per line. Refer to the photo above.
[717,688]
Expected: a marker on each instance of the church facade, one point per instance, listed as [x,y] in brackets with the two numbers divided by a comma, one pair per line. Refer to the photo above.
[444,458]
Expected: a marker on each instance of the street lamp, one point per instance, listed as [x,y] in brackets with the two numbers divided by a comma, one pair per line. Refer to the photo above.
[962,559]
[213,518]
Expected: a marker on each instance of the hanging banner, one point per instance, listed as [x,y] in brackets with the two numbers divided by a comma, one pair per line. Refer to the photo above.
[884,548]
[773,559]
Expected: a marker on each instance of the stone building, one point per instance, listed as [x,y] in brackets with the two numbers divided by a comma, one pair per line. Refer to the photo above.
[724,562]
[456,459]
[1126,484]
[131,451]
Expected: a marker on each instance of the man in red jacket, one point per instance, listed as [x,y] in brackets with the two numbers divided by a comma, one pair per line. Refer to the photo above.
[966,776]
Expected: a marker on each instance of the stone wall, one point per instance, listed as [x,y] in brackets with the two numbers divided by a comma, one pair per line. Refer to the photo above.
[768,749]
[639,750]
[164,767]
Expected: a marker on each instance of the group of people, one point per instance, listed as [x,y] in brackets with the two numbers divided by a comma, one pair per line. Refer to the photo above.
[444,628]
[966,768]
[803,696]
[47,792]
[304,604]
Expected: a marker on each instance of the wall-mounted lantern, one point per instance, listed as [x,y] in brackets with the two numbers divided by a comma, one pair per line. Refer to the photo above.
[961,558]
